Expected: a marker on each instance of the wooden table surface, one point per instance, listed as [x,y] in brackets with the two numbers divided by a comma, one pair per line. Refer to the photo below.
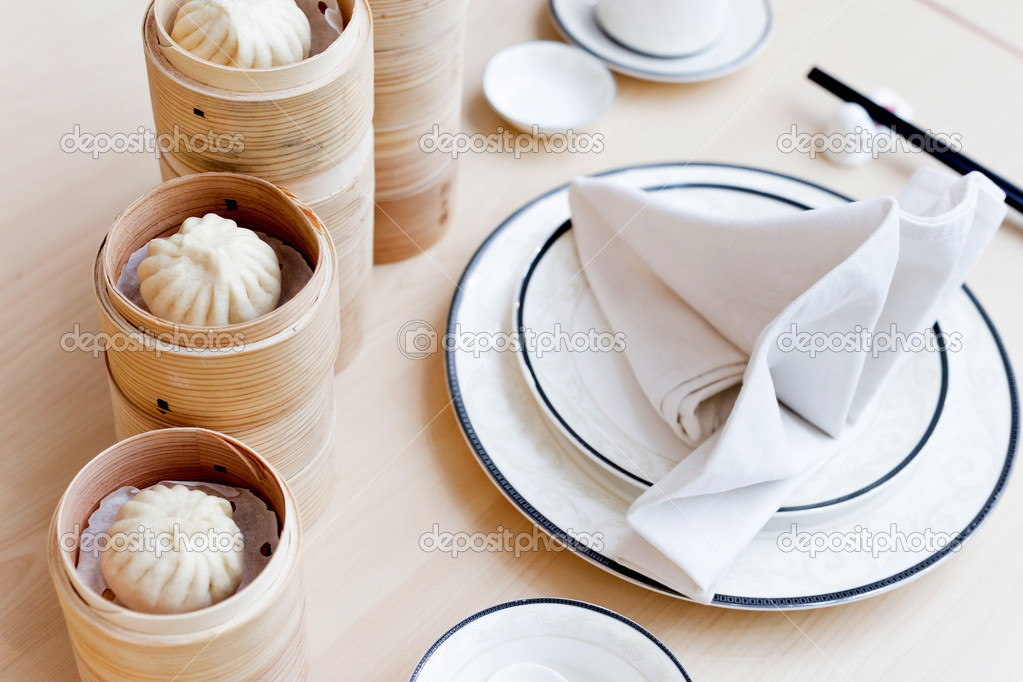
[375,600]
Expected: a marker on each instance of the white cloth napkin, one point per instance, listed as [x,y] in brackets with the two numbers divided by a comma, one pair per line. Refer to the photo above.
[701,298]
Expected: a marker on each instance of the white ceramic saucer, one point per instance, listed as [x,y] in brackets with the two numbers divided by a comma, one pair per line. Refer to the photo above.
[578,641]
[744,37]
[955,482]
[550,85]
[593,398]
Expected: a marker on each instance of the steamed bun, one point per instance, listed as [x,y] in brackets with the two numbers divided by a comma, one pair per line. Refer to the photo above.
[248,34]
[210,274]
[193,557]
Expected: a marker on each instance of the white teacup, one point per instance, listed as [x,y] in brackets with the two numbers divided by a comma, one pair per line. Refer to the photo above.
[663,28]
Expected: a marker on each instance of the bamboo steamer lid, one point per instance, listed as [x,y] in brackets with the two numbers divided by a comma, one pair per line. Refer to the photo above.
[257,633]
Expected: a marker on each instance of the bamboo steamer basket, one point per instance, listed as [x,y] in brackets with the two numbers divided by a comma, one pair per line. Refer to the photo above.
[409,225]
[417,83]
[165,368]
[256,634]
[294,121]
[400,23]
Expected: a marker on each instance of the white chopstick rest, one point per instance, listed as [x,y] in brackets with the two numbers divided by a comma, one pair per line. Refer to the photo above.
[853,135]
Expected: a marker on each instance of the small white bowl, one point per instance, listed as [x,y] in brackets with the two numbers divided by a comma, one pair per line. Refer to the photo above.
[550,85]
[544,639]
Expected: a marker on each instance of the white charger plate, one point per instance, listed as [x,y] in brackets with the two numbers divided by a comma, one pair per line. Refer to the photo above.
[592,397]
[955,481]
[744,36]
[579,641]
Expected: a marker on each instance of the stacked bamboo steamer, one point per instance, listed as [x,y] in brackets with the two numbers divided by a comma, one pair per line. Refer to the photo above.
[259,633]
[267,382]
[307,126]
[418,48]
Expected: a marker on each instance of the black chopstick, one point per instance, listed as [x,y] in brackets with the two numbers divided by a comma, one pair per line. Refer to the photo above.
[940,150]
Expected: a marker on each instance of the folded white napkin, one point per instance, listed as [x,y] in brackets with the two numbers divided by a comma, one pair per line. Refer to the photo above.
[702,299]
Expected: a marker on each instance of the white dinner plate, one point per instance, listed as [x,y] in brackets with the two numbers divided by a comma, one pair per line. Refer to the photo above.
[743,38]
[575,640]
[592,396]
[863,550]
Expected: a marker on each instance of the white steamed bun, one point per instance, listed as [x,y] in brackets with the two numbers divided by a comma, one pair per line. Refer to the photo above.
[248,34]
[210,274]
[193,558]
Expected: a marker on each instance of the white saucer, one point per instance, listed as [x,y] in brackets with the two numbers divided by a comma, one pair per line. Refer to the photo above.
[955,482]
[576,640]
[550,85]
[592,397]
[742,40]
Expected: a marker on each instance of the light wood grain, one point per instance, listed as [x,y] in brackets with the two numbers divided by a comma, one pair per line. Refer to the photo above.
[376,601]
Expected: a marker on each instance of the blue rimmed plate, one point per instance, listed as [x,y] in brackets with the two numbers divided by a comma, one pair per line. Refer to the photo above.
[745,35]
[548,639]
[899,535]
[591,396]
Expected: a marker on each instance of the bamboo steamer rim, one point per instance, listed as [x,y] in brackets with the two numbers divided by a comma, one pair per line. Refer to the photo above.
[357,21]
[449,42]
[283,322]
[414,9]
[193,624]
